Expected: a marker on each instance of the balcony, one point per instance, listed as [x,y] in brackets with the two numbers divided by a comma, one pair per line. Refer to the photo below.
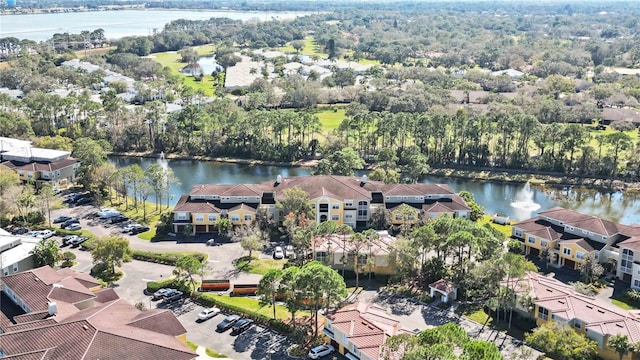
[329,333]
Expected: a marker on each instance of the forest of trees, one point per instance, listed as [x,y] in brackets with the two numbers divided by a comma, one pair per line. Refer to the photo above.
[402,112]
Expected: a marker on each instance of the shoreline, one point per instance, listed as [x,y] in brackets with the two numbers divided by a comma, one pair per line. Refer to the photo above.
[510,176]
[28,11]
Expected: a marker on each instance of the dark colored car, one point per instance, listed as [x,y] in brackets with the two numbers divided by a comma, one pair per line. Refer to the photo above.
[138,230]
[76,242]
[19,230]
[84,201]
[61,219]
[241,325]
[177,295]
[118,219]
[227,322]
[69,222]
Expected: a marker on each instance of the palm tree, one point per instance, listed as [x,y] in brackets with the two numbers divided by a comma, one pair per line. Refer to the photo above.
[619,343]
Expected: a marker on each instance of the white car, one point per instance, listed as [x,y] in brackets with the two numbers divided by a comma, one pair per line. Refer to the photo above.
[278,253]
[320,351]
[45,234]
[289,252]
[208,313]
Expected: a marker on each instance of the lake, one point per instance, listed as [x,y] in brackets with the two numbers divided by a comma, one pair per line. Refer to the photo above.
[116,23]
[495,197]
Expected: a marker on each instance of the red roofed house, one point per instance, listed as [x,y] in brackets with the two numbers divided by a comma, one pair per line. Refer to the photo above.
[597,319]
[359,330]
[55,167]
[341,199]
[570,236]
[64,315]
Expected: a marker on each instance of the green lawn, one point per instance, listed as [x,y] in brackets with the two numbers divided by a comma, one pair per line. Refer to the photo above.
[137,214]
[259,266]
[622,304]
[310,48]
[253,305]
[172,60]
[330,119]
[622,300]
[488,219]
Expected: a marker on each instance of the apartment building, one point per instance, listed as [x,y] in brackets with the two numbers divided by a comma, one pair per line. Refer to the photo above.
[342,199]
[338,251]
[570,236]
[55,167]
[359,330]
[63,315]
[595,318]
[16,252]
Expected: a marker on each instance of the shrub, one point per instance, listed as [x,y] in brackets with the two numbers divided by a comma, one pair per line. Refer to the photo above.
[167,258]
[173,283]
[68,259]
[515,246]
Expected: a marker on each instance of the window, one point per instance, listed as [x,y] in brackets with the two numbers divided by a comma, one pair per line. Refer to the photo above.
[335,206]
[570,228]
[212,217]
[596,254]
[335,217]
[531,239]
[313,205]
[348,216]
[543,243]
[348,203]
[627,261]
[577,323]
[543,313]
[29,174]
[247,217]
[235,217]
[579,255]
[5,271]
[15,267]
[566,251]
[517,233]
[199,218]
[321,256]
[356,352]
[636,283]
[182,216]
[363,259]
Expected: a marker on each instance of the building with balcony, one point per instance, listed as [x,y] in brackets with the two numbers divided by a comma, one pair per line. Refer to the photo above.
[341,199]
[63,315]
[548,299]
[570,236]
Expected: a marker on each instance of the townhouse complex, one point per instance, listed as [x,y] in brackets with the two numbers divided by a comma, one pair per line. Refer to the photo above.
[63,315]
[554,301]
[570,236]
[55,167]
[342,199]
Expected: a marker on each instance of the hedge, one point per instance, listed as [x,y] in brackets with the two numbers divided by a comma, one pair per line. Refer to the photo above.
[166,258]
[173,283]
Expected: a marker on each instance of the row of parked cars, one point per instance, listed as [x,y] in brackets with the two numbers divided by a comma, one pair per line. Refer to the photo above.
[114,217]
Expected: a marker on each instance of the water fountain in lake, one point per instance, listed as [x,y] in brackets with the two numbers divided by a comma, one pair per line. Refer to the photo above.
[163,162]
[524,199]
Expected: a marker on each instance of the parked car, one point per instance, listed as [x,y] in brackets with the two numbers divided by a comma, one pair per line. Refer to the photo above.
[45,234]
[61,219]
[227,322]
[138,230]
[320,351]
[117,219]
[108,214]
[159,294]
[84,201]
[67,223]
[76,242]
[208,313]
[173,298]
[278,253]
[169,292]
[212,242]
[19,230]
[129,227]
[290,252]
[33,233]
[74,227]
[68,239]
[241,325]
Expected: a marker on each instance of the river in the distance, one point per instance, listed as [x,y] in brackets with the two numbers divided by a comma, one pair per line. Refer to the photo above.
[116,23]
[494,197]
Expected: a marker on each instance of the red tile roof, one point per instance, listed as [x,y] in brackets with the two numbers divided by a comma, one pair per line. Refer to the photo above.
[582,221]
[41,166]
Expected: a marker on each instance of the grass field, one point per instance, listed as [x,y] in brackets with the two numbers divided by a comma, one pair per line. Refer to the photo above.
[488,219]
[253,305]
[330,119]
[137,215]
[259,266]
[171,59]
[310,48]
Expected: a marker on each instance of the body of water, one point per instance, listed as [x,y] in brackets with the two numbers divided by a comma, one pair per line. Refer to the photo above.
[516,200]
[116,23]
